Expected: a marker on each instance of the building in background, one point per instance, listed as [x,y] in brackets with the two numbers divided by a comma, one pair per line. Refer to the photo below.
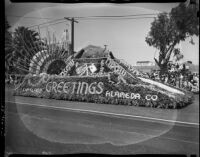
[65,40]
[191,67]
[145,63]
[146,66]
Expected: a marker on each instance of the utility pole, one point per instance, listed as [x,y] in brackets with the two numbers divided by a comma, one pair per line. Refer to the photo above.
[72,33]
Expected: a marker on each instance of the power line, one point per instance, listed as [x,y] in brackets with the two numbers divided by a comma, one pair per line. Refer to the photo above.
[117,18]
[62,21]
[46,23]
[79,17]
[90,19]
[53,24]
[107,17]
[39,18]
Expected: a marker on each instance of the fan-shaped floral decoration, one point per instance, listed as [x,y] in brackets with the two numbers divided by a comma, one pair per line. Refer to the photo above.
[42,61]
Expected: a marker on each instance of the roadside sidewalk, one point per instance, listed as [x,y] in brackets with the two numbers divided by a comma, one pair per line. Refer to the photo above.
[187,115]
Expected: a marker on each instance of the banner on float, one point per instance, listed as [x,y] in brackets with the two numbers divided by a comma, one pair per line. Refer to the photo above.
[81,86]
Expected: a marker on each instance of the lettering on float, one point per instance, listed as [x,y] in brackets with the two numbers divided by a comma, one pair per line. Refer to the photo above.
[115,67]
[124,95]
[33,90]
[75,87]
[68,67]
[130,68]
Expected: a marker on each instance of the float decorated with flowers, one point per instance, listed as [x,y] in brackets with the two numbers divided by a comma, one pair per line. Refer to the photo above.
[95,75]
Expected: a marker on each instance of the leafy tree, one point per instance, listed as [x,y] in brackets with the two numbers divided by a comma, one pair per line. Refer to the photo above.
[168,30]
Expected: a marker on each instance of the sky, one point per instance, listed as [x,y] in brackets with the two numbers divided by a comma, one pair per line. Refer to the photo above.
[125,38]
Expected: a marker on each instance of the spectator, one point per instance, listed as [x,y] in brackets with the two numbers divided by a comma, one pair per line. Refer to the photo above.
[180,80]
[177,66]
[166,78]
[183,70]
[195,78]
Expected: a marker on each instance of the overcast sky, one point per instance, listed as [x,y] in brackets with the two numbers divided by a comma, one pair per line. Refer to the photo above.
[125,38]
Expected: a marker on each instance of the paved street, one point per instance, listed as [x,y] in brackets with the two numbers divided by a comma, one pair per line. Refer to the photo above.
[33,128]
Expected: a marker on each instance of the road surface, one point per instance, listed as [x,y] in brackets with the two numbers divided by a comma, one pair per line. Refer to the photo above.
[37,129]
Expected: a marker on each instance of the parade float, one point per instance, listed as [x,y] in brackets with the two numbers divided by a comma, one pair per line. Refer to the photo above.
[94,75]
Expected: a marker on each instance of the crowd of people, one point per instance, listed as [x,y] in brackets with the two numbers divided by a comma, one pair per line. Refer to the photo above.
[178,76]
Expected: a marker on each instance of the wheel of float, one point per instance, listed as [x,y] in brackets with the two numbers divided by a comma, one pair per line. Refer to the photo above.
[43,60]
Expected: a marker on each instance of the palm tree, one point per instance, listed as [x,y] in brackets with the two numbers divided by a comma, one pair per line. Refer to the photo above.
[24,45]
[8,47]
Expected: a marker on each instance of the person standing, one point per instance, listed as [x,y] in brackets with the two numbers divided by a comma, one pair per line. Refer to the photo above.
[166,79]
[181,81]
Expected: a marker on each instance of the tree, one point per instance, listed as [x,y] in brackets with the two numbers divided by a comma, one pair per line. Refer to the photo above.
[25,44]
[8,49]
[7,33]
[167,30]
